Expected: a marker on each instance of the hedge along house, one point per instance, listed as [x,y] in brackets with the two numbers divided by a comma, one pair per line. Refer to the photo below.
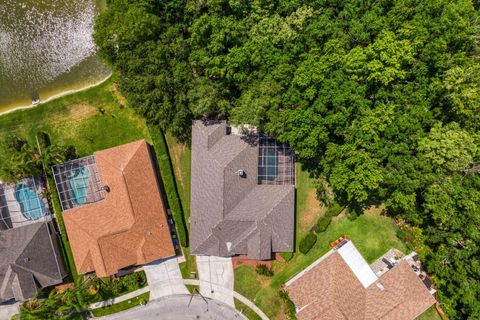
[242,193]
[113,210]
[29,253]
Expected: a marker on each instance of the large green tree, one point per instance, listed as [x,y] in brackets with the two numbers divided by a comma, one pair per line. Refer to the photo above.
[381,98]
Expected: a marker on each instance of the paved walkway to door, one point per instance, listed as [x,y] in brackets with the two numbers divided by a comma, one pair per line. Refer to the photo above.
[215,273]
[164,278]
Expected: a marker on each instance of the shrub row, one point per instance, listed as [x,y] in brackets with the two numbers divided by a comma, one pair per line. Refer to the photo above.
[307,243]
[168,178]
[290,310]
[323,223]
[263,270]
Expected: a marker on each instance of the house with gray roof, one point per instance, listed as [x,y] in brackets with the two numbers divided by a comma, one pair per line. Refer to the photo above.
[29,261]
[242,193]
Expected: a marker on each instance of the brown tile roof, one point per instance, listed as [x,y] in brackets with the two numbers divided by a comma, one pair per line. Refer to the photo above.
[330,290]
[130,226]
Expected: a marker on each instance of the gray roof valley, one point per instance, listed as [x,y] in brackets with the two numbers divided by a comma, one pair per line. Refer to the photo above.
[234,213]
[29,261]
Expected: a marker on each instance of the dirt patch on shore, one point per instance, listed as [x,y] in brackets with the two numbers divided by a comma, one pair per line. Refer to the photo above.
[118,95]
[312,211]
[81,111]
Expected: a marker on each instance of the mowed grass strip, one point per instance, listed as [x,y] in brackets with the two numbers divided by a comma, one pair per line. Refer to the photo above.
[121,306]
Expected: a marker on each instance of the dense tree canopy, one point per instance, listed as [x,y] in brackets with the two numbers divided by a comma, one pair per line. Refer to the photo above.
[381,98]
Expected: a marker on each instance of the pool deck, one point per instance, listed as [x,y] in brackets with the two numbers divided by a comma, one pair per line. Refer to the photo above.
[16,215]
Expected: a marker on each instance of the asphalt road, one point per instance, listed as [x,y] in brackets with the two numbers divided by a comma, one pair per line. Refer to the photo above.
[180,307]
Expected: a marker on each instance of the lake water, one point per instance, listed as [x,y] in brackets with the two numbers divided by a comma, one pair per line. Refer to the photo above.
[46,47]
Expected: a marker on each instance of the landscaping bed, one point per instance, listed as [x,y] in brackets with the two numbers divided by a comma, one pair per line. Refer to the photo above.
[121,306]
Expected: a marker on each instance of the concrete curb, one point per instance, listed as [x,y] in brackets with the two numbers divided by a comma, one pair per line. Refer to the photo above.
[113,301]
[237,295]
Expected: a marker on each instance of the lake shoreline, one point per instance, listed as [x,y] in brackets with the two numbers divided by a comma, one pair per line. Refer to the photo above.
[56,96]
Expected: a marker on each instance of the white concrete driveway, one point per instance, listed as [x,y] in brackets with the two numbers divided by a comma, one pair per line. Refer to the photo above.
[164,278]
[214,272]
[9,310]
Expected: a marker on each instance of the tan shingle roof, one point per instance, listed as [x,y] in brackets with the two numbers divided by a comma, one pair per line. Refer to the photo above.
[330,290]
[129,227]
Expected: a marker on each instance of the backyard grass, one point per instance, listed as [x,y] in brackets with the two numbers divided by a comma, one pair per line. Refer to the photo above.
[371,233]
[121,306]
[430,314]
[90,120]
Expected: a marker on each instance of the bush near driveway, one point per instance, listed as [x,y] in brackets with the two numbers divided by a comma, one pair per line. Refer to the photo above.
[307,243]
[263,270]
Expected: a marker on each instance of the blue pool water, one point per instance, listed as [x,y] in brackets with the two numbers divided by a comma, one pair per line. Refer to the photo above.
[79,183]
[31,205]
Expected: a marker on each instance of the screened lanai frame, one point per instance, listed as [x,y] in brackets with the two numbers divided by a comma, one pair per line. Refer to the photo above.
[11,215]
[276,162]
[93,186]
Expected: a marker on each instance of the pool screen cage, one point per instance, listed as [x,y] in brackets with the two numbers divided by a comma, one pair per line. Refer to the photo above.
[78,182]
[276,162]
[13,214]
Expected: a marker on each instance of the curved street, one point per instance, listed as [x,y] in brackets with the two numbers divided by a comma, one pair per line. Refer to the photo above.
[180,307]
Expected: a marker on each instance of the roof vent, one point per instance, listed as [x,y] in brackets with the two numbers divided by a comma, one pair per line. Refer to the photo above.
[27,259]
[106,188]
[241,174]
[380,286]
[228,130]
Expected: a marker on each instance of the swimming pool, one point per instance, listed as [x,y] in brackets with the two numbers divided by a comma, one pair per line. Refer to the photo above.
[31,205]
[79,182]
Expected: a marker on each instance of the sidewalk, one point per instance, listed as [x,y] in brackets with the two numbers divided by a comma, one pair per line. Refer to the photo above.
[235,294]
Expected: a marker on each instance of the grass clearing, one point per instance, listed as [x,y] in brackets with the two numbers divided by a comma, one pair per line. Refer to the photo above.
[121,306]
[77,120]
[430,314]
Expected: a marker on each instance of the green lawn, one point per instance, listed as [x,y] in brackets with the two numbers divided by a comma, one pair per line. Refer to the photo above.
[76,120]
[372,234]
[121,306]
[247,312]
[190,265]
[430,314]
[181,156]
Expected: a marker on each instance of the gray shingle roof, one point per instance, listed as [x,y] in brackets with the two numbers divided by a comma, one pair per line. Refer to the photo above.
[30,260]
[231,214]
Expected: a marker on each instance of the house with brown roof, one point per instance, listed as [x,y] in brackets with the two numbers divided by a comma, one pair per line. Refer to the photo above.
[113,210]
[242,192]
[341,285]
